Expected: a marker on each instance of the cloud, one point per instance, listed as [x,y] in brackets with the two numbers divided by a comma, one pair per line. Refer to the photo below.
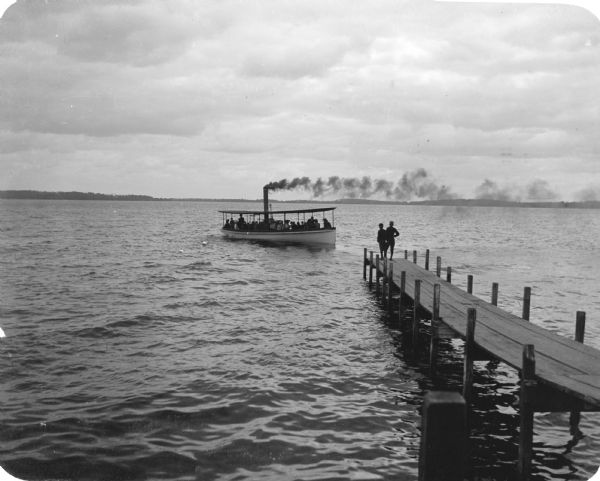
[308,88]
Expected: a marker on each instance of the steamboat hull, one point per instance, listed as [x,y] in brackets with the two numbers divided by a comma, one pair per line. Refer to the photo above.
[323,236]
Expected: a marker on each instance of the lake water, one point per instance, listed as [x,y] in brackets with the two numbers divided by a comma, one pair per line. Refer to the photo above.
[140,344]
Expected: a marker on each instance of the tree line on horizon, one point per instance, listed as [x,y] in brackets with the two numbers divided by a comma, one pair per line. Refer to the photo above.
[74,195]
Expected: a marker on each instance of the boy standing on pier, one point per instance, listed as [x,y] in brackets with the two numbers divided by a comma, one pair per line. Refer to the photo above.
[391,234]
[382,241]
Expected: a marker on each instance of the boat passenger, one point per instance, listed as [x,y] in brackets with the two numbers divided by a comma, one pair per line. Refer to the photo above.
[326,223]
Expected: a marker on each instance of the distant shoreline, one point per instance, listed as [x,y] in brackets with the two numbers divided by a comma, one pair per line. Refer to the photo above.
[43,195]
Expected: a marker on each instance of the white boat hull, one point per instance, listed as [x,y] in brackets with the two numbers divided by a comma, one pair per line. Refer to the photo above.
[322,236]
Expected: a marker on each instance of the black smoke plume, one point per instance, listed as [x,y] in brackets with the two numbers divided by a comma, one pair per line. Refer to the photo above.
[415,184]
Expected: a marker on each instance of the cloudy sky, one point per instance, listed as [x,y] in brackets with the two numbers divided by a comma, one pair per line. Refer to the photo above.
[191,98]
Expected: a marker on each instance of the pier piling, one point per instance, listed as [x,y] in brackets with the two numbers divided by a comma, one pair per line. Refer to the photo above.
[443,449]
[371,270]
[402,300]
[427,260]
[495,294]
[438,266]
[469,355]
[416,304]
[470,284]
[433,342]
[449,274]
[526,303]
[528,385]
[377,274]
[580,326]
[384,280]
[575,415]
[390,286]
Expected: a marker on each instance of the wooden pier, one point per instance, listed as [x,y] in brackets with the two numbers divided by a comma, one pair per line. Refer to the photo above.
[557,373]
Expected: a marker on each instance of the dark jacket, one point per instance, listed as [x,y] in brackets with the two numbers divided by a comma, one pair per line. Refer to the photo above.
[381,235]
[390,233]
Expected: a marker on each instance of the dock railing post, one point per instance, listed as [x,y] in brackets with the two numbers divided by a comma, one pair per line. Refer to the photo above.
[468,356]
[384,279]
[449,274]
[575,416]
[377,275]
[580,326]
[470,284]
[402,298]
[435,321]
[443,447]
[414,257]
[406,253]
[371,270]
[526,303]
[390,289]
[494,294]
[365,264]
[438,266]
[416,304]
[528,385]
[427,260]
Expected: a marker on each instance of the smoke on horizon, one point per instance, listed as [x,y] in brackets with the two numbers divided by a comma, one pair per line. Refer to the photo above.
[588,194]
[415,184]
[536,191]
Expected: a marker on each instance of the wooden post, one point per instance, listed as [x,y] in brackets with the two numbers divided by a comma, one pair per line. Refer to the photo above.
[402,297]
[449,274]
[470,284]
[495,294]
[575,416]
[417,302]
[528,385]
[580,326]
[438,267]
[371,270]
[427,260]
[443,447]
[365,265]
[526,303]
[414,257]
[390,289]
[384,280]
[468,358]
[405,253]
[435,321]
[377,274]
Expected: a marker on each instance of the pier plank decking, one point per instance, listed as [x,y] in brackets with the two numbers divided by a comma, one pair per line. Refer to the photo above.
[557,373]
[562,363]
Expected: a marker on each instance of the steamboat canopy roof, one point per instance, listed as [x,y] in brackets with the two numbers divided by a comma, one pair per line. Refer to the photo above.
[262,212]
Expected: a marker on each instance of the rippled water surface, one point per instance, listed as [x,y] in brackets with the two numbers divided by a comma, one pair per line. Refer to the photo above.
[140,344]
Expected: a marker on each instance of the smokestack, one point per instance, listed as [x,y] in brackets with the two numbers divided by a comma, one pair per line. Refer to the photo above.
[266,202]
